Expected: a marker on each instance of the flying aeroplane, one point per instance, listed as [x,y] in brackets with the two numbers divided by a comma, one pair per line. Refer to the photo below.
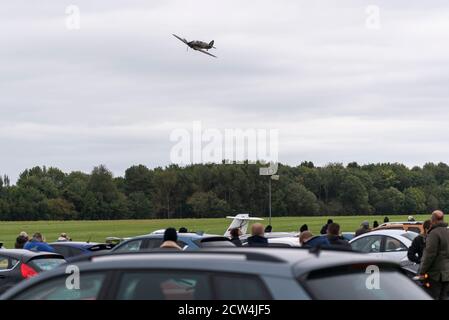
[198,45]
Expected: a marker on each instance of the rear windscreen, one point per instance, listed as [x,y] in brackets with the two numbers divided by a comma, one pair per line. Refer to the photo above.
[46,264]
[353,285]
[218,243]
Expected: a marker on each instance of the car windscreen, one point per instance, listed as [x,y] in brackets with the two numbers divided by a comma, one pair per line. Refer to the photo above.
[410,235]
[214,242]
[46,264]
[362,284]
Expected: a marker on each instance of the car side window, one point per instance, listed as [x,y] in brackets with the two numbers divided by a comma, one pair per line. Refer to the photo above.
[394,245]
[240,287]
[154,243]
[56,289]
[133,245]
[368,244]
[7,263]
[164,285]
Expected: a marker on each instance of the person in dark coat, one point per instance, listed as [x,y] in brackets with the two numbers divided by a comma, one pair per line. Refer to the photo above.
[268,229]
[257,239]
[235,237]
[416,249]
[308,240]
[375,224]
[364,228]
[303,228]
[334,238]
[182,230]
[435,259]
[386,220]
[324,228]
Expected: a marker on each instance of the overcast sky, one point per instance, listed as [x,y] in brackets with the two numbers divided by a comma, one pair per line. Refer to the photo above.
[337,89]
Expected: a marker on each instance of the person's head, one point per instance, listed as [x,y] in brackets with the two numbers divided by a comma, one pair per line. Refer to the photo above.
[170,235]
[63,237]
[268,228]
[38,237]
[303,228]
[426,226]
[386,219]
[437,216]
[257,229]
[24,235]
[375,224]
[182,230]
[20,242]
[235,232]
[329,221]
[304,237]
[333,229]
[365,225]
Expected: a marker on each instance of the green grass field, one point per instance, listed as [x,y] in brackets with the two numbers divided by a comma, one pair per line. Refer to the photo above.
[98,230]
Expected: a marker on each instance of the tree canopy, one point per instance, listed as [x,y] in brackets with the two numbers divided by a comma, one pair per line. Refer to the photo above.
[216,190]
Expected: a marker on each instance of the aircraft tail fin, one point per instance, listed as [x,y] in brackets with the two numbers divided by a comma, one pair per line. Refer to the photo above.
[211,44]
[240,221]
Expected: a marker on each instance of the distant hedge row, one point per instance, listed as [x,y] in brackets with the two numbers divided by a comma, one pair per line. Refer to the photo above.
[214,190]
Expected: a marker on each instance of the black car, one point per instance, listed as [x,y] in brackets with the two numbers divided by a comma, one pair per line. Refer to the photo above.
[71,249]
[229,274]
[19,264]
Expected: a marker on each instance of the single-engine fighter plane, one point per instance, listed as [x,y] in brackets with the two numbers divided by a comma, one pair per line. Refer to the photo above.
[198,45]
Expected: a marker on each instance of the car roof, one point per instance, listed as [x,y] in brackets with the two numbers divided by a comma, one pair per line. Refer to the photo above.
[393,232]
[76,244]
[189,235]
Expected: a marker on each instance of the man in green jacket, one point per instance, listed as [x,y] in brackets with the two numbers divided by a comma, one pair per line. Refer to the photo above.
[435,260]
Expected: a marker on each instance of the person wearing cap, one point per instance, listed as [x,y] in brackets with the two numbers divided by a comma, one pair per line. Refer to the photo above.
[63,237]
[170,238]
[364,228]
[410,219]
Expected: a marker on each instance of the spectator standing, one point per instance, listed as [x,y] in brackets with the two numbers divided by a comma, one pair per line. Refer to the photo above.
[37,243]
[334,238]
[170,238]
[257,238]
[435,259]
[324,228]
[235,237]
[416,249]
[364,228]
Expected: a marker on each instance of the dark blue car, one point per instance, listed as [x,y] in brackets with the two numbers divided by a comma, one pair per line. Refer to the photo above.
[187,241]
[72,249]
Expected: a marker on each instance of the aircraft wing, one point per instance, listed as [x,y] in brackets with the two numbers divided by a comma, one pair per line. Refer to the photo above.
[183,40]
[206,53]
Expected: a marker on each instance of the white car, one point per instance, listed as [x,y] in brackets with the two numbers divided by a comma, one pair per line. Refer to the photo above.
[387,244]
[284,241]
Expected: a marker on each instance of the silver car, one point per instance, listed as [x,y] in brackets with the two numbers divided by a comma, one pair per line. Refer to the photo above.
[386,244]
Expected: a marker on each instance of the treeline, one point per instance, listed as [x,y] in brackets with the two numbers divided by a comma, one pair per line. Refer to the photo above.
[215,190]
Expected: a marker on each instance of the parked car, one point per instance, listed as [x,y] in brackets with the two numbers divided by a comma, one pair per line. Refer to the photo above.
[389,244]
[187,241]
[71,249]
[19,264]
[415,226]
[223,273]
